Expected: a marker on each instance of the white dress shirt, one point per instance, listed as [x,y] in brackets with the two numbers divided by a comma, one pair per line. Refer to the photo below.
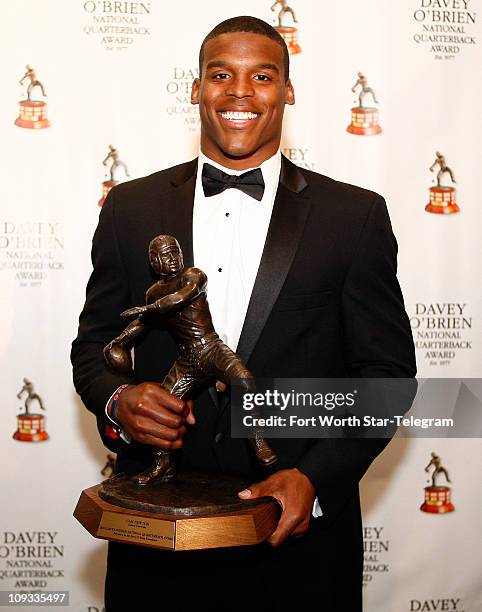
[229,232]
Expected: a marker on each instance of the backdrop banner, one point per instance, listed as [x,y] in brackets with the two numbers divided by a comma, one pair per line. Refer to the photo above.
[96,92]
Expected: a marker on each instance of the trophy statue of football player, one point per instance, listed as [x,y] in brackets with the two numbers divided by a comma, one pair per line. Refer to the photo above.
[179,297]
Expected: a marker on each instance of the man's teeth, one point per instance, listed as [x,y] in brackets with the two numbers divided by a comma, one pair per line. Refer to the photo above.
[238,115]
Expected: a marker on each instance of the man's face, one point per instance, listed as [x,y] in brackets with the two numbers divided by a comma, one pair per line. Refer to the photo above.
[168,260]
[241,95]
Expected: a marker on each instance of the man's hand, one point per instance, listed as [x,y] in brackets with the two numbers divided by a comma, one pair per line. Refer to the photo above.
[151,415]
[294,493]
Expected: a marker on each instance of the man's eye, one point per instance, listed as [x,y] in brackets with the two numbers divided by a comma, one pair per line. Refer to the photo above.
[262,77]
[221,75]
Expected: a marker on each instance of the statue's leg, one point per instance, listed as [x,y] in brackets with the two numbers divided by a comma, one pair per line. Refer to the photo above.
[39,399]
[289,9]
[118,352]
[121,163]
[452,177]
[445,473]
[228,367]
[29,91]
[369,89]
[440,173]
[179,381]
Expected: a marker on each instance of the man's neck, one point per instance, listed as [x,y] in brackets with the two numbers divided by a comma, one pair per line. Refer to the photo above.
[239,163]
[224,166]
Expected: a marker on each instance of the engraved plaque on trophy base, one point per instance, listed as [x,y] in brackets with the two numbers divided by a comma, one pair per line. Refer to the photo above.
[191,512]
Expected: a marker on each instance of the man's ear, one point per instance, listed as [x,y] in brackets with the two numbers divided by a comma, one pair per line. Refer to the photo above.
[195,91]
[289,92]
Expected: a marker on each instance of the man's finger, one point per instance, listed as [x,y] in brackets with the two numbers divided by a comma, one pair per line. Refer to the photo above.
[286,526]
[167,400]
[163,417]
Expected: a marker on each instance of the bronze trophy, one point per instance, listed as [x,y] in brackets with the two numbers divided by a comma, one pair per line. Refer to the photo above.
[160,507]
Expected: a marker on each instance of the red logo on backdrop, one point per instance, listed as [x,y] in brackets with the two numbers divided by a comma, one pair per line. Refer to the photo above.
[30,426]
[364,119]
[442,198]
[437,498]
[288,33]
[32,113]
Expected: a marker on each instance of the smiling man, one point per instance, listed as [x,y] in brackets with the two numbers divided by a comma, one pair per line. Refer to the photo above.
[302,283]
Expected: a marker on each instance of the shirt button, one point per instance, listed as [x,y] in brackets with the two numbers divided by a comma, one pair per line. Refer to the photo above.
[227,214]
[219,437]
[220,269]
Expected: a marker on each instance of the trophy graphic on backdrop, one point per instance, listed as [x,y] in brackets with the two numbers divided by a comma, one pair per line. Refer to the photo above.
[289,33]
[116,165]
[364,119]
[442,198]
[32,113]
[186,510]
[109,466]
[437,498]
[30,426]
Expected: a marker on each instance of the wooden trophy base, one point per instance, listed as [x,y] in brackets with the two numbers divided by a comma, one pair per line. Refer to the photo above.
[193,511]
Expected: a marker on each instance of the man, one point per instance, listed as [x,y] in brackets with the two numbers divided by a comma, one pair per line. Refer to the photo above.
[315,295]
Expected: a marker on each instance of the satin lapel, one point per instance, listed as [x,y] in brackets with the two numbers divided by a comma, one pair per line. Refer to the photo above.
[288,219]
[177,208]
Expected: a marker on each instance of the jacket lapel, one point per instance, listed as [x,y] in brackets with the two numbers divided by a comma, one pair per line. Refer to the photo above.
[288,219]
[177,208]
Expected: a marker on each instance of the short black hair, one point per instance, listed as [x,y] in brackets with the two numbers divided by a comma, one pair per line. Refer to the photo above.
[253,25]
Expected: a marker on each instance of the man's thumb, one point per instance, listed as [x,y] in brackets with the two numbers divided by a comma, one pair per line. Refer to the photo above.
[190,416]
[251,492]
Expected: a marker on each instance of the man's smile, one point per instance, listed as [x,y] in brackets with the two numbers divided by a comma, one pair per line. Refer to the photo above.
[238,119]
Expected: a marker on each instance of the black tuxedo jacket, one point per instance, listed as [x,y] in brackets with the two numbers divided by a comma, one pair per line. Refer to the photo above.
[326,303]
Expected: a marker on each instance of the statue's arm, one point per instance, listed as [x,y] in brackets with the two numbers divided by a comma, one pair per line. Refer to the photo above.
[194,283]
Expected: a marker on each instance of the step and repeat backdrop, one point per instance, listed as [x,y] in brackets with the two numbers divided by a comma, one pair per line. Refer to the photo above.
[97,92]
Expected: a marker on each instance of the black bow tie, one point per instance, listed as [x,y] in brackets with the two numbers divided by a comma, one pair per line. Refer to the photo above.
[215,181]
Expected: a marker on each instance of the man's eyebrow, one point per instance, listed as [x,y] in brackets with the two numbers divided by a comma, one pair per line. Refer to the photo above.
[216,64]
[221,64]
[267,67]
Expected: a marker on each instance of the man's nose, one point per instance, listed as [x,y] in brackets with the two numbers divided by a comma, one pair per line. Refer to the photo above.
[240,87]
